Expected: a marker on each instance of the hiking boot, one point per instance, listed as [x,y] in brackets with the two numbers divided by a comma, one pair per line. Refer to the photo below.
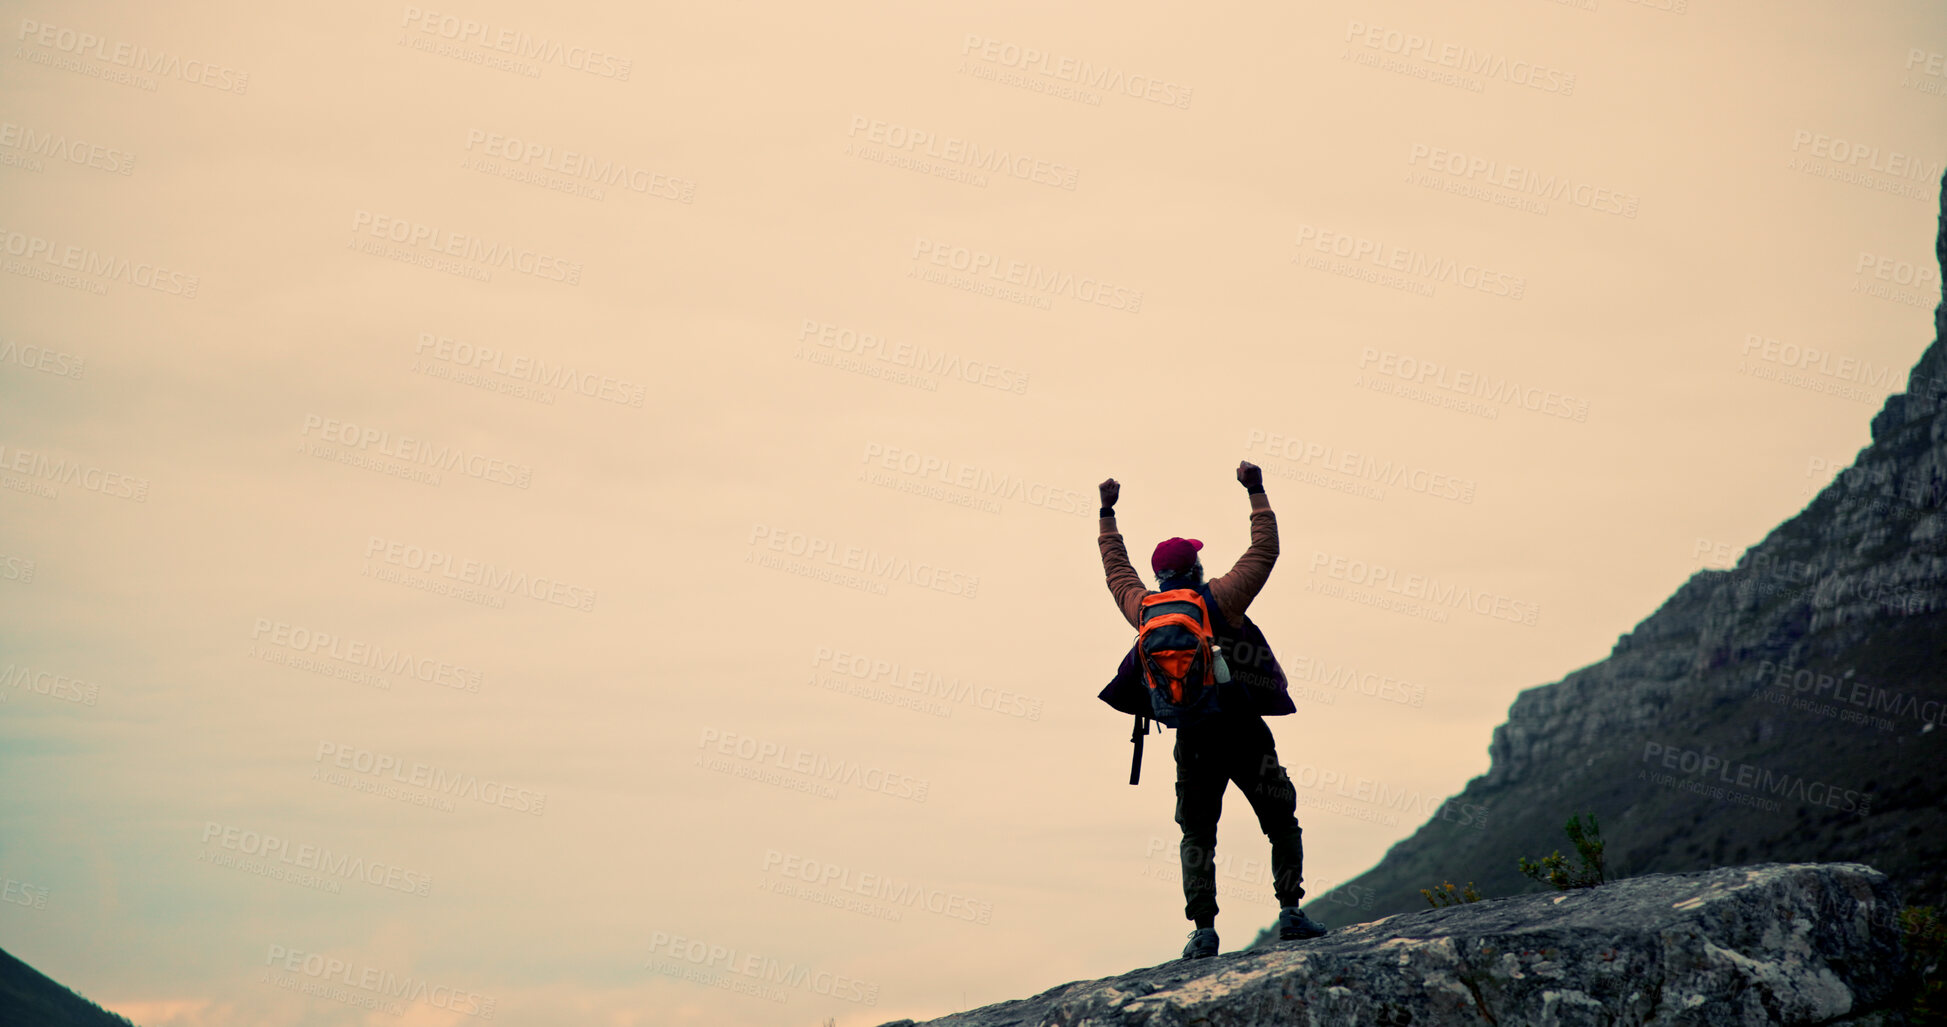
[1294,925]
[1203,944]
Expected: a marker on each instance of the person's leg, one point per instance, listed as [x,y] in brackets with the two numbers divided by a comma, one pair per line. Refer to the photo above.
[1256,770]
[1200,783]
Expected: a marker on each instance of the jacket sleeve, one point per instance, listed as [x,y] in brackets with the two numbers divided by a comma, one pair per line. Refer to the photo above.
[1124,584]
[1235,589]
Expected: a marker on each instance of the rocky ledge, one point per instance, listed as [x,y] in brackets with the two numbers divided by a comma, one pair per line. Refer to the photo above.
[1801,943]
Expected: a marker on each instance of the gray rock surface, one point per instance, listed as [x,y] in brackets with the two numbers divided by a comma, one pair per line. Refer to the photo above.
[1769,944]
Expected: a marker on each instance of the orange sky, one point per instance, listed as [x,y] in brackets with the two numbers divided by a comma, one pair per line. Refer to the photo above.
[507,448]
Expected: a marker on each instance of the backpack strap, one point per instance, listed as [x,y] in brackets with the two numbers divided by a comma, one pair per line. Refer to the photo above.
[1136,736]
[1219,624]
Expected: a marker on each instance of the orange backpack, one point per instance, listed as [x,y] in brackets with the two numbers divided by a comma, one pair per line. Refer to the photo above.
[1176,649]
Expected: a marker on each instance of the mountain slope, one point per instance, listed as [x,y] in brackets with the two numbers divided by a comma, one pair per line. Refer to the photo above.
[28,996]
[1810,676]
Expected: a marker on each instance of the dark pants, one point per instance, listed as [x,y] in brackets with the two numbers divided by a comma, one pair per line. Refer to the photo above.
[1209,755]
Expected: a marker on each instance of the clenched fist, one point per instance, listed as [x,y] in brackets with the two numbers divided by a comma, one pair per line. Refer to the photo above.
[1249,475]
[1109,489]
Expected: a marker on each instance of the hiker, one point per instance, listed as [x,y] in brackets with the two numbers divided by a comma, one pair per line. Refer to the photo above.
[1230,742]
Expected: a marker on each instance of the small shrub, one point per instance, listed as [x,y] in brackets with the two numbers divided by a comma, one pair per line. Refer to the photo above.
[1446,895]
[1554,868]
[1926,943]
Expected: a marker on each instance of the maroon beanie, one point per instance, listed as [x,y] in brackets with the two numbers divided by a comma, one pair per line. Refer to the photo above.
[1174,554]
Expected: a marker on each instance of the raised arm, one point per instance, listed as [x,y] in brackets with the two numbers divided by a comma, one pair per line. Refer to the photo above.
[1235,589]
[1124,584]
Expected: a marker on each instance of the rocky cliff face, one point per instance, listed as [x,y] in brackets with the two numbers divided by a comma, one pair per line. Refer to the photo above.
[1773,944]
[1788,708]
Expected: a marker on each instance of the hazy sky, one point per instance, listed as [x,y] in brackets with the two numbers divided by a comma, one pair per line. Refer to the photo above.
[611,491]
